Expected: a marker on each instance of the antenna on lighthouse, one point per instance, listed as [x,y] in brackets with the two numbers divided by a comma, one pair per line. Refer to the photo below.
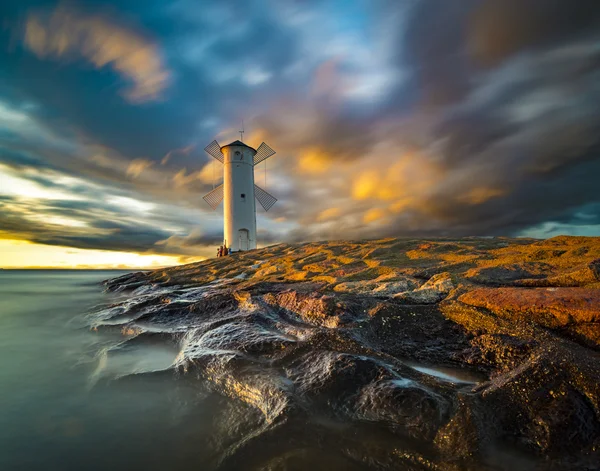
[242,132]
[238,190]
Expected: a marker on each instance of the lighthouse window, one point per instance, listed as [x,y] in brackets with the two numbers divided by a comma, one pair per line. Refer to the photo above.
[243,196]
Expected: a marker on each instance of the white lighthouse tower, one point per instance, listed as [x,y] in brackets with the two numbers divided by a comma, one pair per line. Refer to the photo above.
[238,191]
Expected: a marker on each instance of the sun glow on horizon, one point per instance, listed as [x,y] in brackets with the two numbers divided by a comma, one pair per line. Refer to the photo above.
[24,254]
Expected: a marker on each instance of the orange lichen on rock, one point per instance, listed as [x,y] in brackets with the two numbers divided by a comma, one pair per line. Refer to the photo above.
[551,307]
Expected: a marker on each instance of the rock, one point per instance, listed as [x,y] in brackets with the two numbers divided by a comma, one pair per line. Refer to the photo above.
[378,286]
[461,437]
[375,287]
[586,334]
[311,348]
[549,403]
[442,282]
[313,308]
[499,275]
[594,267]
[419,332]
[421,296]
[433,291]
[406,406]
[550,307]
[499,351]
[269,270]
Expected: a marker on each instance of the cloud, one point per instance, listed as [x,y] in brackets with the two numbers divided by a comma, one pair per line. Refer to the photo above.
[477,117]
[48,207]
[501,28]
[314,160]
[183,151]
[69,34]
[137,166]
[490,147]
[479,195]
[374,215]
[206,176]
[329,214]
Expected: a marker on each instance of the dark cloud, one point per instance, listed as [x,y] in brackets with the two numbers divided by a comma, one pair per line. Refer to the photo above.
[513,132]
[501,28]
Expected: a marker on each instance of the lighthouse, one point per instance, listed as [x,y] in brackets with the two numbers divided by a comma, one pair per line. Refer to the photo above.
[239,192]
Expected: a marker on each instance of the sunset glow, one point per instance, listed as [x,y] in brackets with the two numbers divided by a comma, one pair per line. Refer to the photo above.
[22,254]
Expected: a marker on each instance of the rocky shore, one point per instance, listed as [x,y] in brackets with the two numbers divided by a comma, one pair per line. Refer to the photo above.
[443,354]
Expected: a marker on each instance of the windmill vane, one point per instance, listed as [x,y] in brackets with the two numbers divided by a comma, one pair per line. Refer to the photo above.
[238,191]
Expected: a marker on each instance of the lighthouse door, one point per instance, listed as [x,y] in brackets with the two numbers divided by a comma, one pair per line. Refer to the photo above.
[244,239]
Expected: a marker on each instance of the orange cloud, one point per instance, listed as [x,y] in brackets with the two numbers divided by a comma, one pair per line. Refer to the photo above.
[374,215]
[365,185]
[408,180]
[329,214]
[137,166]
[210,173]
[479,195]
[313,161]
[70,34]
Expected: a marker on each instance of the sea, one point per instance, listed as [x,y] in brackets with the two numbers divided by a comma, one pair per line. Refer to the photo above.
[80,389]
[63,404]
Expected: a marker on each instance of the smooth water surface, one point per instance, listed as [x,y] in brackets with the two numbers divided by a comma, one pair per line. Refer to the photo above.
[60,404]
[171,378]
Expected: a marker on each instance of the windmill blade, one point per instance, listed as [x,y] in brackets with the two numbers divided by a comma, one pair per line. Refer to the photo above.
[265,199]
[214,150]
[215,197]
[263,153]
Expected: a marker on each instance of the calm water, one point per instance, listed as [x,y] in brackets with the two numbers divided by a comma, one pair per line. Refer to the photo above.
[60,405]
[73,398]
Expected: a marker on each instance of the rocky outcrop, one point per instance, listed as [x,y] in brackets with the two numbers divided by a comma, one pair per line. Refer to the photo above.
[550,307]
[433,291]
[444,354]
[574,311]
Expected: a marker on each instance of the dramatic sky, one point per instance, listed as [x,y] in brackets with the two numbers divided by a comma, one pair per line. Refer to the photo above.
[389,118]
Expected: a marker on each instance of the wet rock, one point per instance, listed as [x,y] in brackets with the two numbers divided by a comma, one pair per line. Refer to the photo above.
[334,379]
[328,345]
[417,332]
[243,337]
[464,435]
[405,406]
[499,351]
[548,404]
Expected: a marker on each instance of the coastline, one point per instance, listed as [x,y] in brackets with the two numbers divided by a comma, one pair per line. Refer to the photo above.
[361,332]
